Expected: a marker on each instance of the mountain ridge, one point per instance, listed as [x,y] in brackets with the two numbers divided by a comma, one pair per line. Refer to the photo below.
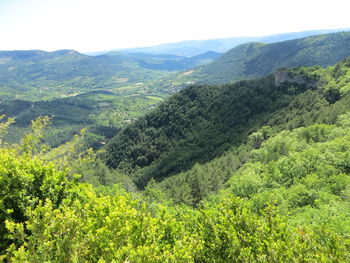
[255,59]
[37,72]
[195,47]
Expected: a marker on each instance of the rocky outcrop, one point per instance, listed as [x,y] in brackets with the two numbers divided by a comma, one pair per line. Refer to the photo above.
[282,76]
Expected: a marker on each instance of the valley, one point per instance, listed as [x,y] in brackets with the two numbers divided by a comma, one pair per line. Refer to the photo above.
[139,156]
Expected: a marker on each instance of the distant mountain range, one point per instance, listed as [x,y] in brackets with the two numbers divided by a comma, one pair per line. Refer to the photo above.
[31,65]
[255,59]
[30,70]
[167,62]
[195,47]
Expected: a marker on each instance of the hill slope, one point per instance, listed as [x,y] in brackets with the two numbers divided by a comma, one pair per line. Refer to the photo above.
[257,59]
[202,122]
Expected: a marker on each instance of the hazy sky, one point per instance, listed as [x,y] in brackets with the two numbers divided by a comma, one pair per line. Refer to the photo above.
[93,25]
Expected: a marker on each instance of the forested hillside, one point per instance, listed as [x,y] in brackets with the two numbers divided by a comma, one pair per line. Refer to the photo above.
[289,203]
[256,59]
[202,122]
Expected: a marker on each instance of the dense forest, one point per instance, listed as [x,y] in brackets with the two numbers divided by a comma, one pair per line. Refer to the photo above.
[202,122]
[256,170]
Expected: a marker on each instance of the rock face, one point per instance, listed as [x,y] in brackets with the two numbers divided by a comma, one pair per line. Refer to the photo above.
[285,76]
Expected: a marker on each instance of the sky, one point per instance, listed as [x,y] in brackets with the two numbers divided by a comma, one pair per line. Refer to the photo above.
[95,25]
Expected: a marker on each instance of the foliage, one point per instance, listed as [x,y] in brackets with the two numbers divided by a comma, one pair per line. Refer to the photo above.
[28,177]
[46,215]
[24,182]
[202,122]
[4,127]
[29,145]
[118,229]
[195,125]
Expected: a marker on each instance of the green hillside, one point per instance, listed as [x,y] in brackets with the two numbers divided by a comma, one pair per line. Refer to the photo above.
[35,74]
[40,75]
[257,59]
[202,122]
